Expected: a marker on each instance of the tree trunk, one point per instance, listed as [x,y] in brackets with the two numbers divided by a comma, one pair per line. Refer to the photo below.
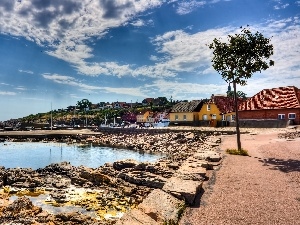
[238,134]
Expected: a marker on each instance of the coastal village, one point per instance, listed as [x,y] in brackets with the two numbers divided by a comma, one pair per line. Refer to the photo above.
[77,149]
[275,107]
[167,191]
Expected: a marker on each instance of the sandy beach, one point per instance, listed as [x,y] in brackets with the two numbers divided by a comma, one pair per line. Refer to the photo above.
[261,189]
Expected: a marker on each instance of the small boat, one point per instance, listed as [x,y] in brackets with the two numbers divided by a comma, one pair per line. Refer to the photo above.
[162,123]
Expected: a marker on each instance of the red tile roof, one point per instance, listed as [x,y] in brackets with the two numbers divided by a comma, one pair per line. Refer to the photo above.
[275,98]
[224,104]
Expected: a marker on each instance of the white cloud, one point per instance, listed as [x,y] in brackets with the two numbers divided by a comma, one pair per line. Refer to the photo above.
[25,71]
[186,7]
[7,93]
[184,52]
[184,90]
[280,5]
[64,27]
[138,23]
[4,84]
[21,88]
[70,81]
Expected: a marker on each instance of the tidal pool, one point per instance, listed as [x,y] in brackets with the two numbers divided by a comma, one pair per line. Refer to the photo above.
[38,155]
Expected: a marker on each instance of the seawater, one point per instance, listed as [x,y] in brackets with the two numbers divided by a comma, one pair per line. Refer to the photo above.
[38,155]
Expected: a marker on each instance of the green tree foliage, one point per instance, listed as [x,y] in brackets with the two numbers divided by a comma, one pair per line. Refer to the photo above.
[83,104]
[238,59]
[239,94]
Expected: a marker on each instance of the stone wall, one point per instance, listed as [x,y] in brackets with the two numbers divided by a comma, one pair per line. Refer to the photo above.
[256,123]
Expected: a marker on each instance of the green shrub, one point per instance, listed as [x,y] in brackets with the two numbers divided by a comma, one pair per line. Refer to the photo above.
[237,152]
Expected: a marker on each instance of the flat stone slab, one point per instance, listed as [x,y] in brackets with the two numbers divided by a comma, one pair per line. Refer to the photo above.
[183,189]
[136,217]
[208,155]
[193,167]
[144,178]
[162,207]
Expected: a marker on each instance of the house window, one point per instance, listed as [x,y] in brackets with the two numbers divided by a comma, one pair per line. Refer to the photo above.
[281,116]
[292,116]
[208,107]
[176,117]
[233,117]
[204,117]
[223,117]
[214,116]
[184,117]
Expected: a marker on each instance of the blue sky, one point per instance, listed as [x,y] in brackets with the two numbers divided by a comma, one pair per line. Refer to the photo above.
[60,52]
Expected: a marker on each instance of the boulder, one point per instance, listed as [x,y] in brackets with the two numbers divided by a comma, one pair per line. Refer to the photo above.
[162,207]
[122,164]
[136,217]
[208,155]
[183,189]
[143,178]
[20,208]
[193,168]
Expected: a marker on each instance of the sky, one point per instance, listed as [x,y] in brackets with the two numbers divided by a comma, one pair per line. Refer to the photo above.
[55,53]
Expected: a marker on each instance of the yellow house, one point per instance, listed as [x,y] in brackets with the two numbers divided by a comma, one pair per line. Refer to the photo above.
[185,113]
[145,117]
[217,109]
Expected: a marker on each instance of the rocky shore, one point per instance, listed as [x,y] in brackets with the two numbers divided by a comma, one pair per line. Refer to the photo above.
[123,192]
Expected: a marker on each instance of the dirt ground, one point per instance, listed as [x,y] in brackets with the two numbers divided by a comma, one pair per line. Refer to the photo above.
[261,189]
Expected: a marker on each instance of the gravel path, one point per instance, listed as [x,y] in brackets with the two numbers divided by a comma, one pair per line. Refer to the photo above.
[261,189]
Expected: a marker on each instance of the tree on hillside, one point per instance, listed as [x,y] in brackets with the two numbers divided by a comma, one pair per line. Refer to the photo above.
[236,60]
[83,104]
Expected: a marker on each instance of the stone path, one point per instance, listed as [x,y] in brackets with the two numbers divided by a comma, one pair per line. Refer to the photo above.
[261,189]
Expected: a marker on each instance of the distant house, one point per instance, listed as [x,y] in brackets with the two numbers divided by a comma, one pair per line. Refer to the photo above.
[119,105]
[218,110]
[129,117]
[185,113]
[160,116]
[142,117]
[281,104]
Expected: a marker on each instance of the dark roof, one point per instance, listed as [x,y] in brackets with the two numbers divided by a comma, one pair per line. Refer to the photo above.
[275,98]
[192,106]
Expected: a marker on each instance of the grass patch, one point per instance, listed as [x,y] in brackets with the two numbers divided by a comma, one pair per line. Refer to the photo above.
[237,152]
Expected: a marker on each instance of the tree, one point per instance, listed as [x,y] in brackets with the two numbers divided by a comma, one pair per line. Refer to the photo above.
[239,58]
[239,94]
[83,104]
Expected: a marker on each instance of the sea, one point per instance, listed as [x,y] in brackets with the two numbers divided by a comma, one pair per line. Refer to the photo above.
[38,155]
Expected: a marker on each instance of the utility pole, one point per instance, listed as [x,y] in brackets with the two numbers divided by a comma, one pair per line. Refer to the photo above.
[51,117]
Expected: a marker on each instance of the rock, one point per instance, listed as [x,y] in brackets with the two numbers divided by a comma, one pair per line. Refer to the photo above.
[62,183]
[143,178]
[183,189]
[75,217]
[59,196]
[136,217]
[193,168]
[20,208]
[122,164]
[2,175]
[162,207]
[98,178]
[208,155]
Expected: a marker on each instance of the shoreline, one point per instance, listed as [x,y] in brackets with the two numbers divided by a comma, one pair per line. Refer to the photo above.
[160,180]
